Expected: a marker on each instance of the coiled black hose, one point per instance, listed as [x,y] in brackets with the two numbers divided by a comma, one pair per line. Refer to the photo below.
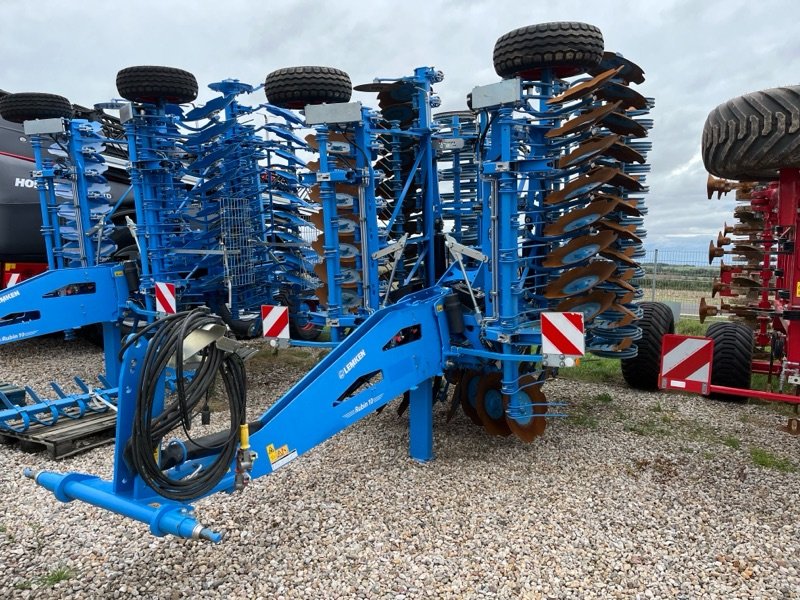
[148,430]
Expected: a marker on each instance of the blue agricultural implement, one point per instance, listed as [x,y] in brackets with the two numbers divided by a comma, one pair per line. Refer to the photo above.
[443,249]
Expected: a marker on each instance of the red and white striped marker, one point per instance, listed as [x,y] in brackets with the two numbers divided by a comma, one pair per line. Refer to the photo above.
[13,279]
[275,321]
[563,334]
[686,363]
[165,298]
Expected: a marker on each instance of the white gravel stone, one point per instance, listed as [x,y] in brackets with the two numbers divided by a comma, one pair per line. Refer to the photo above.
[636,497]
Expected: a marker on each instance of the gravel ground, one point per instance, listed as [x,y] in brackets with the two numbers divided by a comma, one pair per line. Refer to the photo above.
[636,495]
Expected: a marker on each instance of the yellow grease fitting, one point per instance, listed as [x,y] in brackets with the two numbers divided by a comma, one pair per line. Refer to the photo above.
[244,436]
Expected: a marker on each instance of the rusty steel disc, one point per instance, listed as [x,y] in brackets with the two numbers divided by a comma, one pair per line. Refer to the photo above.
[583,121]
[316,219]
[578,249]
[624,153]
[469,391]
[590,305]
[528,407]
[375,87]
[489,405]
[631,72]
[585,184]
[623,231]
[585,88]
[622,257]
[622,124]
[621,179]
[630,98]
[588,150]
[578,219]
[621,283]
[580,279]
[742,281]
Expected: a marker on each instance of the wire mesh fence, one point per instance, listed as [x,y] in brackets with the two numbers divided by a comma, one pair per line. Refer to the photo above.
[679,276]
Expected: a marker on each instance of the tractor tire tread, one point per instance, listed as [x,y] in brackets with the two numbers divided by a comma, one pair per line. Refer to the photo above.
[152,84]
[295,87]
[27,106]
[641,371]
[752,136]
[576,47]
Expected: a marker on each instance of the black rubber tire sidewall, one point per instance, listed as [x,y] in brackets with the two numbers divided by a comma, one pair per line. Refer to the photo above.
[752,136]
[568,48]
[154,85]
[27,106]
[295,87]
[641,371]
[733,355]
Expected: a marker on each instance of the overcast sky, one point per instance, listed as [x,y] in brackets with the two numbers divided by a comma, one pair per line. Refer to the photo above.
[695,54]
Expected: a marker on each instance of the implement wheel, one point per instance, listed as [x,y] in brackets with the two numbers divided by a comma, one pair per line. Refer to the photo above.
[641,371]
[733,355]
[28,106]
[294,87]
[568,48]
[752,136]
[153,85]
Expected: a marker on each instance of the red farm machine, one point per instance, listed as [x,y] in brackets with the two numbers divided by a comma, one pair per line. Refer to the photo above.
[751,146]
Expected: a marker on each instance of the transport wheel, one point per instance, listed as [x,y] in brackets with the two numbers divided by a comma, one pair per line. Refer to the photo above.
[568,48]
[468,392]
[489,405]
[156,84]
[294,87]
[28,106]
[733,355]
[752,136]
[300,328]
[641,371]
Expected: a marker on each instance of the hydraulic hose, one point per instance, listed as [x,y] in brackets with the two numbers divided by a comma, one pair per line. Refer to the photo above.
[165,346]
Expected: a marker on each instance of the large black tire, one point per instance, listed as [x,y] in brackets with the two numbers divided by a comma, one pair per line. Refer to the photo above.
[294,87]
[733,354]
[566,47]
[154,85]
[752,136]
[641,371]
[28,106]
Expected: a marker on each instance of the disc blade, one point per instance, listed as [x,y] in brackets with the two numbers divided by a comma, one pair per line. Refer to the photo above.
[631,72]
[585,88]
[525,413]
[580,279]
[489,405]
[630,98]
[623,125]
[587,151]
[579,249]
[469,391]
[584,121]
[577,219]
[590,305]
[623,231]
[585,184]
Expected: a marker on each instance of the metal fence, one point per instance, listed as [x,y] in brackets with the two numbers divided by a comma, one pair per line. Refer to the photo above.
[678,276]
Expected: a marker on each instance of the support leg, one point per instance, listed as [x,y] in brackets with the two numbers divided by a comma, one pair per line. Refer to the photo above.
[421,422]
[112,343]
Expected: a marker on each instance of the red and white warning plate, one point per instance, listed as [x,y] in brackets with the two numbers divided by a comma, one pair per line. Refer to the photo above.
[563,336]
[686,363]
[165,298]
[275,321]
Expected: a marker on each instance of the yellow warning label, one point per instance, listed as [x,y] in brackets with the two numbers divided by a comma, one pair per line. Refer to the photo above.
[275,454]
[280,456]
[797,291]
[11,266]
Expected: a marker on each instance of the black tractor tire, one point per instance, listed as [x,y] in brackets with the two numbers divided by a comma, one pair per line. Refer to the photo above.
[28,106]
[733,355]
[294,87]
[641,371]
[568,48]
[153,85]
[750,137]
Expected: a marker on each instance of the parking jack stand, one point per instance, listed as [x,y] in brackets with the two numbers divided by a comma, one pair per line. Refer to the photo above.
[421,422]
